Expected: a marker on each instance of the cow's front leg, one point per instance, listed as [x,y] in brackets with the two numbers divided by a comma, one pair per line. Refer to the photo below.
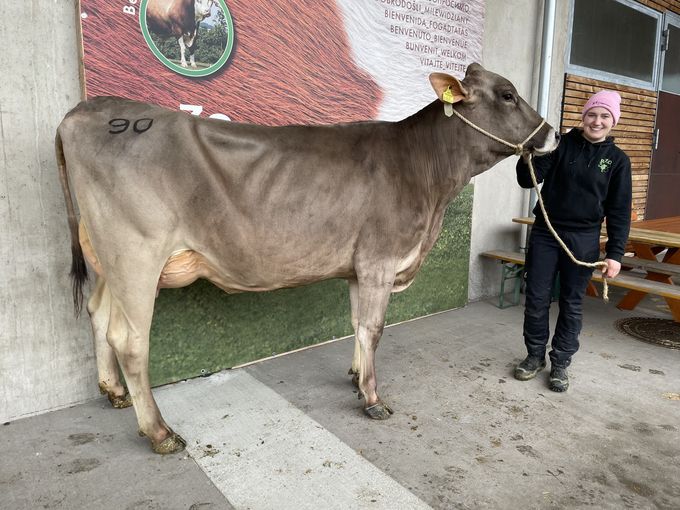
[99,308]
[373,295]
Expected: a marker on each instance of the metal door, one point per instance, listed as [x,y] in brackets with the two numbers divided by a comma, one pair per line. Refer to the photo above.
[663,195]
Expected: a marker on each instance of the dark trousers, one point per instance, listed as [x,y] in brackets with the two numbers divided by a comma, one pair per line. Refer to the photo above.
[545,259]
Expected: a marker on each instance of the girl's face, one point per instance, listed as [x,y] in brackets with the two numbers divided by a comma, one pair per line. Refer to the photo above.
[597,123]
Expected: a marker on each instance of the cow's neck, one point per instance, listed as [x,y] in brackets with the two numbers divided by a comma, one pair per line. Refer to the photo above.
[447,152]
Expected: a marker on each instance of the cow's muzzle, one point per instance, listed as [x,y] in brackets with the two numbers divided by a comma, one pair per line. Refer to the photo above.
[550,143]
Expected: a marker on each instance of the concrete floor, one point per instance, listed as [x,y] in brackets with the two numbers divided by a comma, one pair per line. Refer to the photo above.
[289,432]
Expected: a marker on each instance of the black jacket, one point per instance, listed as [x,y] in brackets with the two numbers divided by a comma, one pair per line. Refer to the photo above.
[583,183]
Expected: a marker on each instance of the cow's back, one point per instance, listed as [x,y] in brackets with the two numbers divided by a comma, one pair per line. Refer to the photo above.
[267,204]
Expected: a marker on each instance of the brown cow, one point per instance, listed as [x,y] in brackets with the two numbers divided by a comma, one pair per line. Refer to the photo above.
[179,19]
[166,198]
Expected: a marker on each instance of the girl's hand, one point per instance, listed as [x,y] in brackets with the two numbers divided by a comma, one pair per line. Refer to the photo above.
[613,268]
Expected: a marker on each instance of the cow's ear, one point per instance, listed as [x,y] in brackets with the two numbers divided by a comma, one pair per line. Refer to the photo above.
[473,68]
[448,88]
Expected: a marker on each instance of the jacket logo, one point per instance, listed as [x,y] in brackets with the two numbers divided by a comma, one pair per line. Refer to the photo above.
[604,165]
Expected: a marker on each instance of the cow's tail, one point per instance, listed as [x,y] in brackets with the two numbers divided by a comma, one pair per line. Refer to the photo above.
[78,267]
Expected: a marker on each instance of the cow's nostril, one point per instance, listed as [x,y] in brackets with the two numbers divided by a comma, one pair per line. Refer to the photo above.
[557,136]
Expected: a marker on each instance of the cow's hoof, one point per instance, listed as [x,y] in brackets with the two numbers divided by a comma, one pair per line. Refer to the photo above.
[117,401]
[171,444]
[379,411]
[120,402]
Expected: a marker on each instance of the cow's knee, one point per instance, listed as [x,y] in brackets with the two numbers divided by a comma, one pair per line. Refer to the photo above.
[119,338]
[131,356]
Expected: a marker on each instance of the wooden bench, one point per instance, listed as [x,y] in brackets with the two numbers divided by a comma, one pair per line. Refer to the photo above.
[512,269]
[651,265]
[516,260]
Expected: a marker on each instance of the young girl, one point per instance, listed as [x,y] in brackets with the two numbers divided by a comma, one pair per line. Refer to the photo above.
[586,180]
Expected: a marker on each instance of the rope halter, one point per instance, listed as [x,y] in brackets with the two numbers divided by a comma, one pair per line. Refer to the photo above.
[519,148]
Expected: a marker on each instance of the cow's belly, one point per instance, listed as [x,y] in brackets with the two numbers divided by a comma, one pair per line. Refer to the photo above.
[186,266]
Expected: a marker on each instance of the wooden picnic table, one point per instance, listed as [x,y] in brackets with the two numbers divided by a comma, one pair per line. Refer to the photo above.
[647,239]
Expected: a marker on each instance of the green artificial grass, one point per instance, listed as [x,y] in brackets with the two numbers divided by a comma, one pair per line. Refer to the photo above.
[200,329]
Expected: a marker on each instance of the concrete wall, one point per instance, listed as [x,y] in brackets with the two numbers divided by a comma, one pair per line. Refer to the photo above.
[512,39]
[46,356]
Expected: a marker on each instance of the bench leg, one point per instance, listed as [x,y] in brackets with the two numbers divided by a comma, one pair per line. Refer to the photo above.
[510,272]
[591,290]
[518,284]
[633,297]
[673,257]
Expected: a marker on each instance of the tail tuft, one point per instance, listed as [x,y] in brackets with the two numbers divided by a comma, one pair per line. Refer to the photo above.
[78,277]
[78,267]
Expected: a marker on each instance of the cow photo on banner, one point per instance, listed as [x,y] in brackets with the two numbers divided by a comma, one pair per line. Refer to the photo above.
[275,63]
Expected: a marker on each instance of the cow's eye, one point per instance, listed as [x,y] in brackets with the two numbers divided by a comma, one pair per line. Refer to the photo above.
[507,96]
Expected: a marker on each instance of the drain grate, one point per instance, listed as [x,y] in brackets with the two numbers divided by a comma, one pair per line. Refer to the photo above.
[664,332]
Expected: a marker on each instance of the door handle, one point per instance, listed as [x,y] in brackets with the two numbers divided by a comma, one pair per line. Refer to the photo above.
[657,135]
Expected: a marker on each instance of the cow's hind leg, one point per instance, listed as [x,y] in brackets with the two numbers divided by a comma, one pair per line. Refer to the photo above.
[99,308]
[132,304]
[373,296]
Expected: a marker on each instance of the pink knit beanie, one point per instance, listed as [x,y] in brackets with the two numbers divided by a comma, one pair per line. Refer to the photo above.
[606,99]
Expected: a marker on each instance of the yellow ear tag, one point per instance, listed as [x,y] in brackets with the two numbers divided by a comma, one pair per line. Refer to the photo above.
[447,97]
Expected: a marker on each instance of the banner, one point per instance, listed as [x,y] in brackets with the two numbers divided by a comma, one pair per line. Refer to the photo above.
[278,61]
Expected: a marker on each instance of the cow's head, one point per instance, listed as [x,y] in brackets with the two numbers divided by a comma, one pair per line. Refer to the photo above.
[203,7]
[492,103]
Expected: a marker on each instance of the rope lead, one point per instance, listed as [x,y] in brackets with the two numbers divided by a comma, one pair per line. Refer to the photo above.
[601,263]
